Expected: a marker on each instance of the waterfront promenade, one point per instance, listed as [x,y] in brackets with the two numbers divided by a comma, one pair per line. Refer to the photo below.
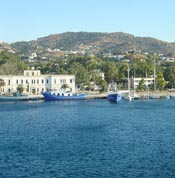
[98,95]
[159,94]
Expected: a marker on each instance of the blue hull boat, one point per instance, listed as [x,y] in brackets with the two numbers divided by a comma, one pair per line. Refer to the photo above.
[114,97]
[51,96]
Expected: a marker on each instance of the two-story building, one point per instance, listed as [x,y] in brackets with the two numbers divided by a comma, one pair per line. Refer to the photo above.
[34,82]
[135,81]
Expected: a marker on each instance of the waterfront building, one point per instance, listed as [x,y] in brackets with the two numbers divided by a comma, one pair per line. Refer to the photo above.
[34,82]
[135,81]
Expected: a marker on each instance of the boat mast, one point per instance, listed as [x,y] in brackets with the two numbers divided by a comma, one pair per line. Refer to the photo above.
[154,74]
[128,79]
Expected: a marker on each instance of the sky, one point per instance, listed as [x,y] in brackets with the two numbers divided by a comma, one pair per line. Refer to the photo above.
[25,20]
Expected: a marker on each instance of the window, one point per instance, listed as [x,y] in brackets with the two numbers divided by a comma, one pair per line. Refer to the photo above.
[42,81]
[16,81]
[71,80]
[21,81]
[47,81]
[9,82]
[55,81]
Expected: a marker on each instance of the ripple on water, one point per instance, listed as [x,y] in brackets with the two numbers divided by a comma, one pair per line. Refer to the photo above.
[87,139]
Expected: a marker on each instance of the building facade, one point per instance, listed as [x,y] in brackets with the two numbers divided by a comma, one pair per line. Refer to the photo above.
[135,81]
[34,82]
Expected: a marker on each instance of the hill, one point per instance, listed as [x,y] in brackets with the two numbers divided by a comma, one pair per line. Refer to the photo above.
[95,43]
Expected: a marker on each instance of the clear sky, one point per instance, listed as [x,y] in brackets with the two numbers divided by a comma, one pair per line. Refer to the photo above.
[25,20]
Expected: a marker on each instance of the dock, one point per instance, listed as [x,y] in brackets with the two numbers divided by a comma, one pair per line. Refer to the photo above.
[97,96]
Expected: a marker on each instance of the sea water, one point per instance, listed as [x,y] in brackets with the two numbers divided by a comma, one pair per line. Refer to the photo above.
[87,139]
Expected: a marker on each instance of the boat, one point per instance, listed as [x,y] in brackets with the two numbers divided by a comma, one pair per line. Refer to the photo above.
[63,95]
[114,95]
[14,97]
[129,95]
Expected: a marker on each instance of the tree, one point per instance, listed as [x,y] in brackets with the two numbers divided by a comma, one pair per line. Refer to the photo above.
[20,89]
[160,82]
[169,75]
[64,86]
[2,83]
[104,85]
[141,86]
[81,74]
[111,71]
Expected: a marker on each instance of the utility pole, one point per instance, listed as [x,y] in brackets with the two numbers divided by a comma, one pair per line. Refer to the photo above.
[154,73]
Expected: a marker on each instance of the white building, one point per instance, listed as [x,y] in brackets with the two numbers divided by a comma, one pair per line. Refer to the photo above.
[34,82]
[135,81]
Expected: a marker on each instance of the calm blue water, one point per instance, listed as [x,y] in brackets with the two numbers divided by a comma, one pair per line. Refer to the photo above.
[87,139]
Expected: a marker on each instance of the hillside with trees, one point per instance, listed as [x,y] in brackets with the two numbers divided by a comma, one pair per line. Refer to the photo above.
[82,54]
[98,42]
[10,64]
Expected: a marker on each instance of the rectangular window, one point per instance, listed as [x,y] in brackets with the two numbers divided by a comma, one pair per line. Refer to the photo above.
[42,81]
[62,80]
[9,82]
[16,81]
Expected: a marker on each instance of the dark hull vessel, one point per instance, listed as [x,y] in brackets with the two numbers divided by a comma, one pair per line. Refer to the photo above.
[51,96]
[114,97]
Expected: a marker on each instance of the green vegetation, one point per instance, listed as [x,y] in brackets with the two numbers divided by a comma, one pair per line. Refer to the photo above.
[89,70]
[11,64]
[101,42]
[20,89]
[141,86]
[2,83]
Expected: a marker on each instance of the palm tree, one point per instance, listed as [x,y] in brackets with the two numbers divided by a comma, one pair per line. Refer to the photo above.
[64,86]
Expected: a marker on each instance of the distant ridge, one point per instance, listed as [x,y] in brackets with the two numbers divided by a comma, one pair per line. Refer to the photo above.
[112,42]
